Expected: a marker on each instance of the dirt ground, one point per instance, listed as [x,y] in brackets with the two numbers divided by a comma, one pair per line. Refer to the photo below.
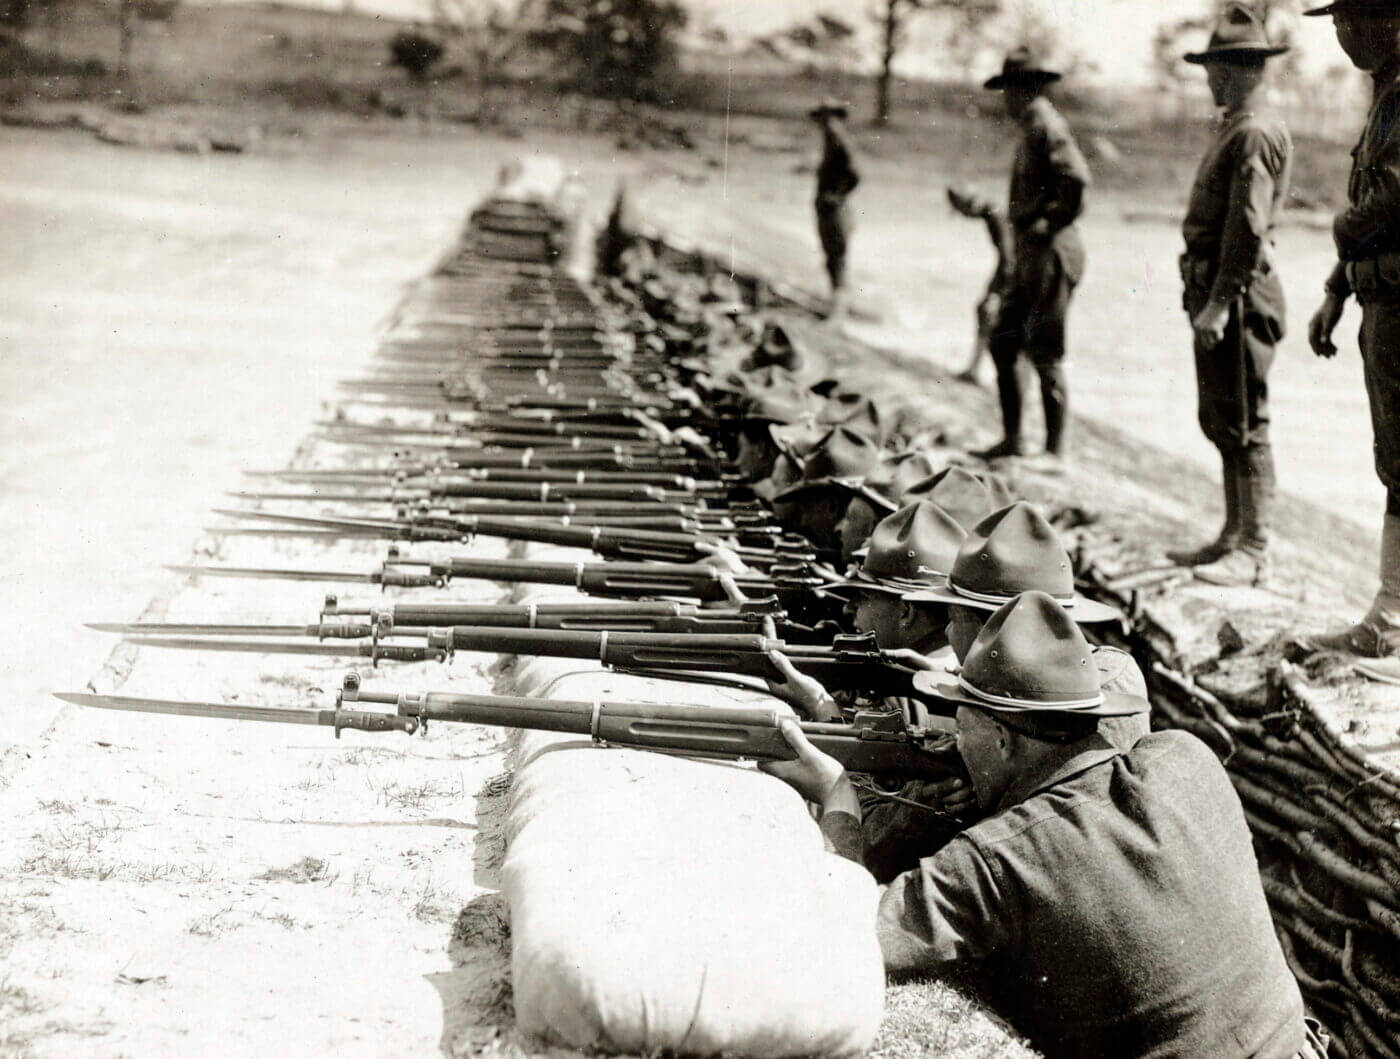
[168,319]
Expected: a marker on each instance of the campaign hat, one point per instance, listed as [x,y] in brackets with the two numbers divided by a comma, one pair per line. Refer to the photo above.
[887,484]
[908,551]
[1031,658]
[968,497]
[852,410]
[1020,67]
[841,459]
[1012,551]
[1362,7]
[777,346]
[1239,34]
[832,106]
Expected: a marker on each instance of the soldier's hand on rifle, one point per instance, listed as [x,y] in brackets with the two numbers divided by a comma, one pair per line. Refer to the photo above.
[1209,324]
[912,658]
[801,691]
[815,775]
[721,556]
[1323,323]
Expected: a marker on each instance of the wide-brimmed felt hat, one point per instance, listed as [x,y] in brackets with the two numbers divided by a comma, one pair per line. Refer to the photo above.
[1365,7]
[830,105]
[1012,551]
[968,497]
[1239,35]
[796,440]
[894,476]
[854,411]
[1020,67]
[777,346]
[1030,657]
[908,551]
[842,457]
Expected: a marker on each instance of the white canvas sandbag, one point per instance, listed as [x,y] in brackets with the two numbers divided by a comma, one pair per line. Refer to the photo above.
[664,904]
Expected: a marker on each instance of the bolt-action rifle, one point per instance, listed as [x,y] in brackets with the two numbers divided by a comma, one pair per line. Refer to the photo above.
[611,542]
[891,747]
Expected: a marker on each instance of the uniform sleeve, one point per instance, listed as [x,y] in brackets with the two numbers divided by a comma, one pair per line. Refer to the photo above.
[1372,226]
[1246,229]
[852,174]
[1064,197]
[949,910]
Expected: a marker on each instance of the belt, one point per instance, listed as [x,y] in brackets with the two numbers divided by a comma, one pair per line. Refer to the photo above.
[1371,274]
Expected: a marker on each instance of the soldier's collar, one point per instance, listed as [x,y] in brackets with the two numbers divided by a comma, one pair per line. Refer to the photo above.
[1063,763]
[1388,74]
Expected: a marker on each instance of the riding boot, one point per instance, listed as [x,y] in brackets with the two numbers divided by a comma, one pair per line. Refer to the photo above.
[1054,398]
[1377,636]
[1229,536]
[1247,564]
[1009,393]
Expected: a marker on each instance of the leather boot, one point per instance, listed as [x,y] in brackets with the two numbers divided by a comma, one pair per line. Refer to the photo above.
[1229,536]
[1009,393]
[1247,564]
[1376,638]
[1054,398]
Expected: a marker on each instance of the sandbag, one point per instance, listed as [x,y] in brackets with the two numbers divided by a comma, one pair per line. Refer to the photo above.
[665,904]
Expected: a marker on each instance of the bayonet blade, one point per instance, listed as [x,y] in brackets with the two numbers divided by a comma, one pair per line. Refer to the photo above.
[282,575]
[326,650]
[160,628]
[194,709]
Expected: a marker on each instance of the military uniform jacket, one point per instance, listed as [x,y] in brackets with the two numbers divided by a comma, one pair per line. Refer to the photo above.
[1114,905]
[1370,225]
[836,175]
[1235,203]
[1049,174]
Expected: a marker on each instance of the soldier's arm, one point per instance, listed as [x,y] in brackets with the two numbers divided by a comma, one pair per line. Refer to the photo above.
[1064,198]
[1372,226]
[951,909]
[1246,226]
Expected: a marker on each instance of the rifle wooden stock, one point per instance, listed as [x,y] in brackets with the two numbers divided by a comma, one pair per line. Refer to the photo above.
[579,617]
[626,580]
[909,752]
[854,666]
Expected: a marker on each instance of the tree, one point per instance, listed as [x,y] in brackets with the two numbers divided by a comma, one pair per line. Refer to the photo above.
[892,18]
[615,49]
[130,15]
[490,33]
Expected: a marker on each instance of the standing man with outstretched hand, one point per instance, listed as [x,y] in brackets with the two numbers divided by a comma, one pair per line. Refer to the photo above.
[1048,179]
[1367,234]
[837,177]
[1232,291]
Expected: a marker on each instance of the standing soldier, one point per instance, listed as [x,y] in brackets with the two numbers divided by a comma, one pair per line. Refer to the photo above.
[1367,234]
[837,177]
[1232,293]
[1047,195]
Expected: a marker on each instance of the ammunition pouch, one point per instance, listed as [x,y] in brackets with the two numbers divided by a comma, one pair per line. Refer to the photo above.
[1373,277]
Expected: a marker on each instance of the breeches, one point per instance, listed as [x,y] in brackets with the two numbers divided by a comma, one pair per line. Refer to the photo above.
[1380,357]
[1221,408]
[1033,314]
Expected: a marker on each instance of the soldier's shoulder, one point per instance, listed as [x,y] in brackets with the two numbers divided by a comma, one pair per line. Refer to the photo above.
[1266,127]
[1043,116]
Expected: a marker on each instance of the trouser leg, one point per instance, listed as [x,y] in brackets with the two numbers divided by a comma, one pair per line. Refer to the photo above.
[1054,397]
[1005,355]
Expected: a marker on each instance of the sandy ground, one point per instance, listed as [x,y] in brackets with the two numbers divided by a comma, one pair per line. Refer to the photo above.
[922,269]
[169,319]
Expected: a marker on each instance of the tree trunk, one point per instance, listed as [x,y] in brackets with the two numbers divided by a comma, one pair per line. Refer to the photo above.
[126,19]
[889,45]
